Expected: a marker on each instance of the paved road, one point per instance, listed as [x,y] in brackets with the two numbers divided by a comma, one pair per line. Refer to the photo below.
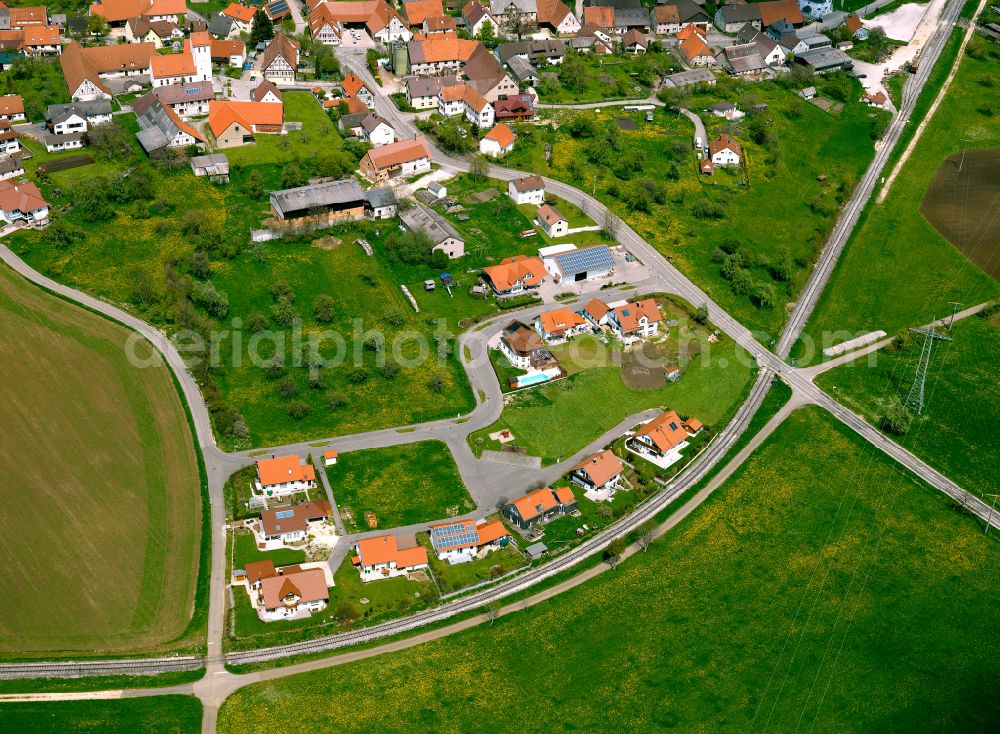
[863,191]
[663,277]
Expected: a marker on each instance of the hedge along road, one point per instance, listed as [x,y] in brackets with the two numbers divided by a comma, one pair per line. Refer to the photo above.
[663,277]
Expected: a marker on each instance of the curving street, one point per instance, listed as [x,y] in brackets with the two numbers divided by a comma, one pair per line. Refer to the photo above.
[486,480]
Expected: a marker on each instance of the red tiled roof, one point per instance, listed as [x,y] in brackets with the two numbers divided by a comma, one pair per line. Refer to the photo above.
[23,197]
[284,468]
[309,585]
[557,321]
[399,152]
[384,549]
[666,430]
[601,467]
[11,104]
[504,276]
[535,503]
[502,134]
[244,13]
[628,315]
[223,113]
[596,308]
[417,10]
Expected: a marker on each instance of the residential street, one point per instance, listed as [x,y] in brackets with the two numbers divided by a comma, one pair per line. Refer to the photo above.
[489,480]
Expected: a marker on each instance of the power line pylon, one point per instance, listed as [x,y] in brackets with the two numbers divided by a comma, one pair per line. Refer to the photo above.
[915,399]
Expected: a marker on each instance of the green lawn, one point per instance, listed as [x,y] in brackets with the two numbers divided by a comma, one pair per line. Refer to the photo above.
[402,485]
[819,589]
[245,551]
[453,578]
[386,599]
[897,270]
[155,714]
[556,420]
[597,78]
[775,226]
[957,432]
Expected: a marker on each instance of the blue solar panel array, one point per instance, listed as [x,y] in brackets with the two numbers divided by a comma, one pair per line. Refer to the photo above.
[581,261]
[280,6]
[453,536]
[283,514]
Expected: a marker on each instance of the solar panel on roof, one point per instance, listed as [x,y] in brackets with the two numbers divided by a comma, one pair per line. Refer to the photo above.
[283,514]
[581,261]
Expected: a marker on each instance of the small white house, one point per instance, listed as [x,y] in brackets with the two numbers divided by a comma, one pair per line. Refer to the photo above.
[635,320]
[724,151]
[497,142]
[383,558]
[527,190]
[329,458]
[377,131]
[552,222]
[283,526]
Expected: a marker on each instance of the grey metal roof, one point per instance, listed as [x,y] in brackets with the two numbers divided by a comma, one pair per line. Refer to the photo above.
[215,163]
[585,260]
[631,18]
[522,69]
[500,7]
[380,197]
[158,128]
[429,222]
[687,78]
[10,165]
[302,198]
[50,138]
[536,549]
[821,59]
[220,25]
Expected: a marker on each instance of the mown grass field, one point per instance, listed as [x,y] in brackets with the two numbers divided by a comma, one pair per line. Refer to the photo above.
[897,270]
[957,432]
[402,485]
[556,420]
[781,219]
[157,715]
[821,589]
[102,524]
[140,258]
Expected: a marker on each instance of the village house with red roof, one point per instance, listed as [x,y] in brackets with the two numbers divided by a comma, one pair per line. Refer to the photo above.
[539,507]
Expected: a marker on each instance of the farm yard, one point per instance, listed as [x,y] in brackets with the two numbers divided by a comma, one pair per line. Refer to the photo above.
[604,386]
[897,269]
[108,510]
[904,611]
[399,485]
[747,237]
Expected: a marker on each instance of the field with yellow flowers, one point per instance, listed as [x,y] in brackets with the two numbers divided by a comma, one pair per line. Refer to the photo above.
[820,590]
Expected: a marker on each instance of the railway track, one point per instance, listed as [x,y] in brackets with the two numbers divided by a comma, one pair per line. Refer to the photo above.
[87,668]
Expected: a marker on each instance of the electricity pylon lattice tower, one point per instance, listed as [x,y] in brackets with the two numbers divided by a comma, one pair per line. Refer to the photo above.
[915,399]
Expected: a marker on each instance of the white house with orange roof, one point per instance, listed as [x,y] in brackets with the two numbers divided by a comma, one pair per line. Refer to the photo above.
[286,592]
[465,540]
[599,475]
[662,439]
[552,221]
[631,321]
[515,275]
[385,557]
[497,142]
[596,312]
[541,506]
[284,476]
[22,202]
[463,99]
[241,15]
[193,64]
[559,325]
[330,457]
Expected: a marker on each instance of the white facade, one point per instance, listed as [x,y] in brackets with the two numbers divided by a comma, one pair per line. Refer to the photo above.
[557,228]
[726,157]
[57,144]
[328,34]
[450,108]
[515,359]
[280,71]
[490,147]
[75,123]
[483,118]
[383,134]
[284,489]
[7,147]
[88,92]
[394,31]
[532,196]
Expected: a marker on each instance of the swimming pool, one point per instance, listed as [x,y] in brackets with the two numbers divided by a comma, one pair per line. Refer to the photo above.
[528,380]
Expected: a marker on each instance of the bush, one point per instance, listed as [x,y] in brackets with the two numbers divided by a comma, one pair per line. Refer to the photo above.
[334,400]
[357,375]
[705,209]
[281,290]
[256,322]
[298,410]
[211,299]
[284,313]
[287,387]
[896,417]
[323,308]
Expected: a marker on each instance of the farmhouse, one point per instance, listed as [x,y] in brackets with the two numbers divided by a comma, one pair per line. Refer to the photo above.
[663,438]
[822,60]
[443,236]
[527,190]
[549,52]
[552,222]
[290,592]
[484,72]
[117,12]
[689,78]
[668,18]
[541,506]
[193,64]
[636,320]
[23,202]
[160,33]
[402,158]
[290,525]
[77,117]
[162,127]
[516,107]
[556,17]
[284,476]
[515,275]
[280,60]
[497,142]
[523,347]
[466,540]
[376,131]
[695,51]
[234,123]
[724,151]
[383,557]
[417,11]
[559,325]
[438,55]
[422,92]
[332,201]
[187,100]
[635,42]
[602,471]
[375,17]
[353,86]
[587,263]
[86,70]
